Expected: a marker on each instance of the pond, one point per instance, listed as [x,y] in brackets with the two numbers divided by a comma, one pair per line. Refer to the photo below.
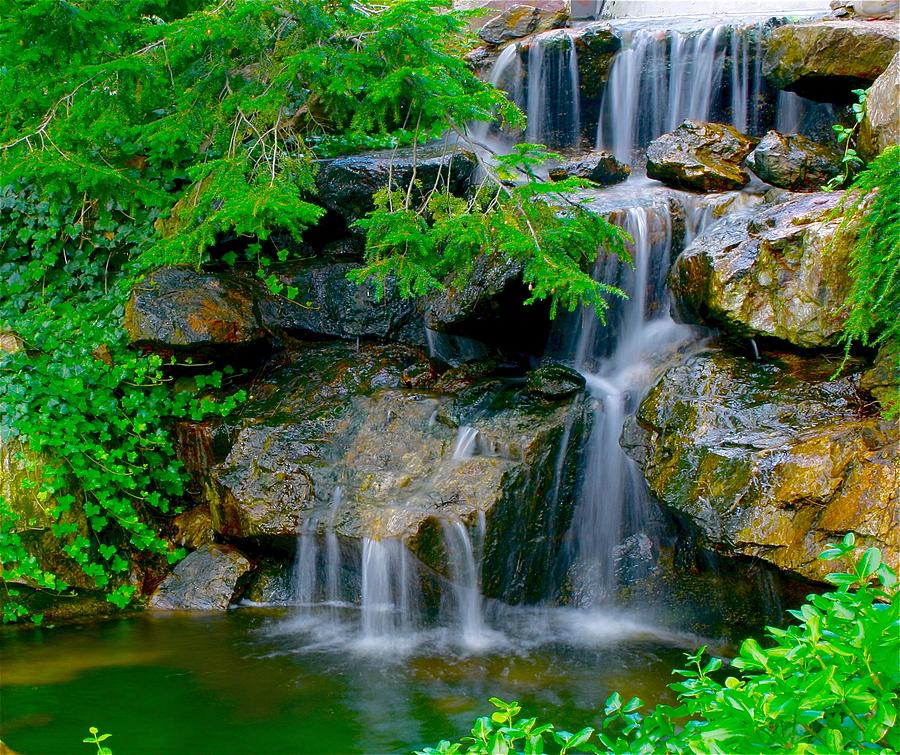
[268,681]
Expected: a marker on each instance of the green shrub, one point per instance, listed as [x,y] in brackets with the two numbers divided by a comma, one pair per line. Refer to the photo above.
[827,684]
[874,300]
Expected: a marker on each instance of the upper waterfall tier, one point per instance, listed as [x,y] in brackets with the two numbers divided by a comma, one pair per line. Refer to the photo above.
[618,85]
[698,8]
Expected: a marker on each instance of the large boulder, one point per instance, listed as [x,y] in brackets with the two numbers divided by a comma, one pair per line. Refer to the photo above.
[519,21]
[179,308]
[207,580]
[326,303]
[770,459]
[700,157]
[881,126]
[794,162]
[340,441]
[826,60]
[601,167]
[781,271]
[347,185]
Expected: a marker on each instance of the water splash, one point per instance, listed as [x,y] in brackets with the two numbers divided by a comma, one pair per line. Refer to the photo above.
[389,603]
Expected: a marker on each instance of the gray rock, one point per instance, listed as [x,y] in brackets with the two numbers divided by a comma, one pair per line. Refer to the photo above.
[180,308]
[794,162]
[600,167]
[881,126]
[347,185]
[825,60]
[780,272]
[554,381]
[700,156]
[596,45]
[204,581]
[769,459]
[328,304]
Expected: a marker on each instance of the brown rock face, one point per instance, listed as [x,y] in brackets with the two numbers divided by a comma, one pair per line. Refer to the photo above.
[770,459]
[881,126]
[825,60]
[794,162]
[700,156]
[180,308]
[781,272]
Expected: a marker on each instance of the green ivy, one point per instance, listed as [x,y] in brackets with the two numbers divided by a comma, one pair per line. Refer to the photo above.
[828,684]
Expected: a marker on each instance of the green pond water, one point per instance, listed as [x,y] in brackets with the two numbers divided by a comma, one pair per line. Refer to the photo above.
[265,681]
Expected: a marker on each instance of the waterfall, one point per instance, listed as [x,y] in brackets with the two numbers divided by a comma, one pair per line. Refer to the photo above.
[552,102]
[618,362]
[333,553]
[466,443]
[662,77]
[464,565]
[389,605]
[305,582]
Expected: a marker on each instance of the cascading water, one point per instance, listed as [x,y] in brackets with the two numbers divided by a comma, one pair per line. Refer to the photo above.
[466,443]
[660,78]
[464,565]
[618,362]
[389,603]
[553,100]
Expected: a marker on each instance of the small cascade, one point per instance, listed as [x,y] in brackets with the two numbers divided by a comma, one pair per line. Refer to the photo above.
[333,553]
[389,590]
[542,78]
[660,78]
[553,100]
[306,572]
[464,564]
[619,363]
[466,443]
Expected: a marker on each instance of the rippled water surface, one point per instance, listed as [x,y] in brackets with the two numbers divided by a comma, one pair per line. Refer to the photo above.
[267,681]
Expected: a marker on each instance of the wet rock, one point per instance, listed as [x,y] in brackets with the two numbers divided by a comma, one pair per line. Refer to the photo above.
[193,528]
[881,126]
[521,20]
[554,381]
[781,271]
[488,309]
[326,303]
[206,580]
[634,559]
[35,513]
[826,60]
[769,459]
[272,583]
[346,185]
[180,308]
[883,379]
[596,45]
[491,276]
[794,162]
[336,442]
[268,479]
[700,156]
[600,167]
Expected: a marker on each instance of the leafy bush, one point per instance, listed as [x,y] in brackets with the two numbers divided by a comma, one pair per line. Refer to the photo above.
[874,299]
[829,683]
